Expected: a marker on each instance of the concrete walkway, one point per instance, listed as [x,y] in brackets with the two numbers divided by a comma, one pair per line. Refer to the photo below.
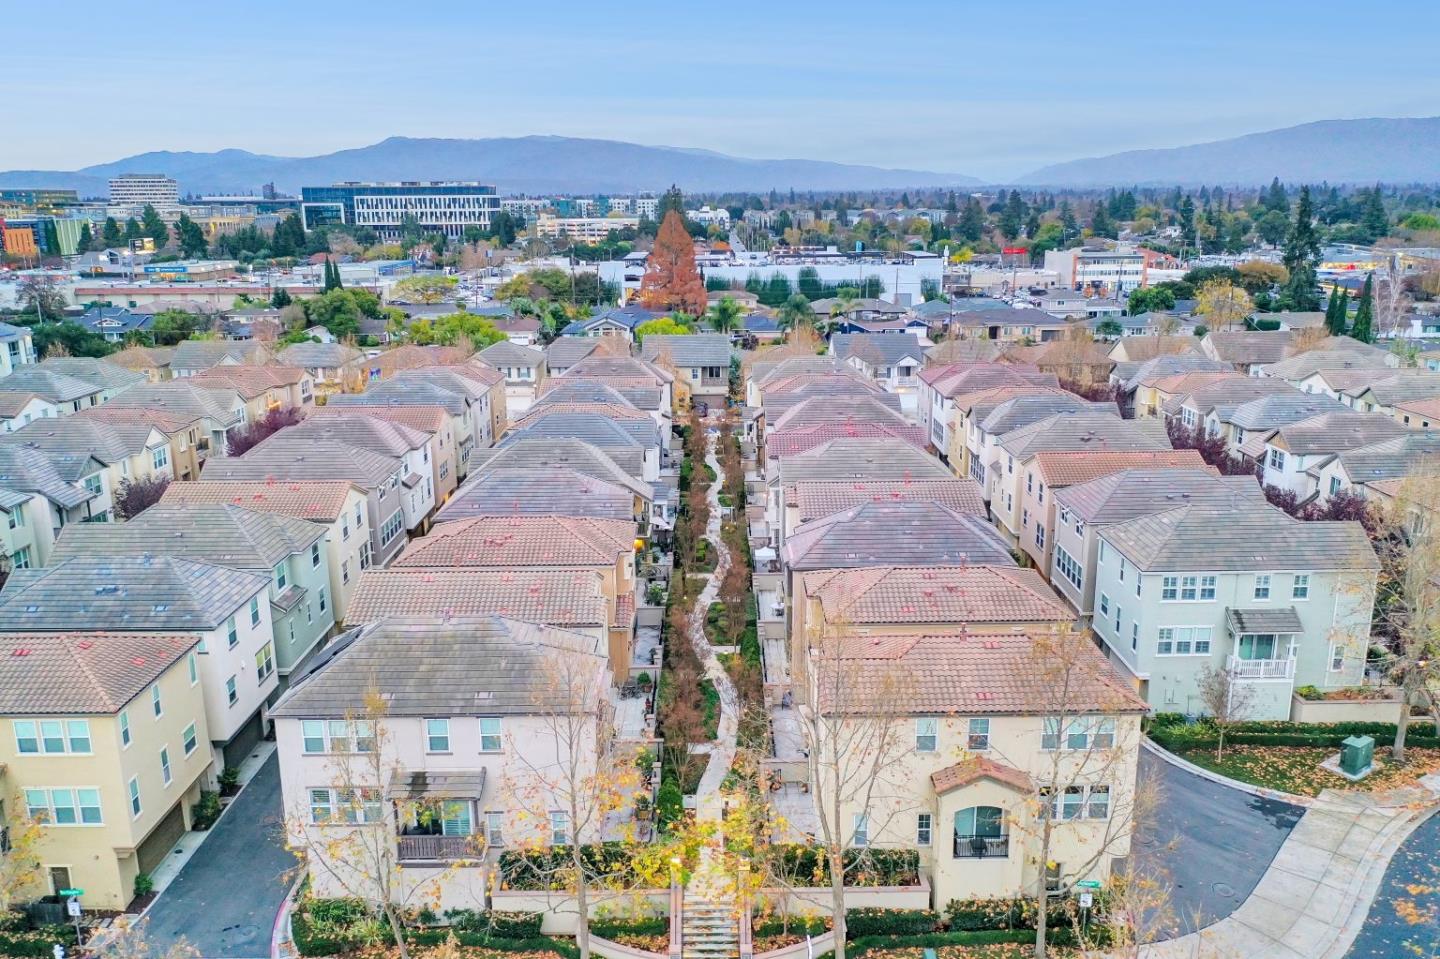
[722,751]
[1312,901]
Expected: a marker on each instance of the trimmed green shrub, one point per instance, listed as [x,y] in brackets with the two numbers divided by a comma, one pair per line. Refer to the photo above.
[1203,734]
[862,945]
[204,813]
[669,803]
[636,926]
[971,914]
[795,925]
[890,922]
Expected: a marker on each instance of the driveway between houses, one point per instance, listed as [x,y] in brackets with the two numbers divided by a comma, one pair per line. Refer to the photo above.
[1212,842]
[225,899]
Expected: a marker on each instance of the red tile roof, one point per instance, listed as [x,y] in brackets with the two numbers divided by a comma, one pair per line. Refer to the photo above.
[1071,468]
[249,380]
[790,442]
[561,597]
[521,541]
[428,419]
[815,500]
[316,501]
[940,594]
[83,672]
[979,767]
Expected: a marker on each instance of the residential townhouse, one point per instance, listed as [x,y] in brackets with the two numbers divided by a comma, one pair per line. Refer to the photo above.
[153,361]
[129,453]
[47,393]
[433,421]
[288,551]
[843,460]
[553,491]
[647,385]
[337,507]
[815,500]
[468,753]
[182,433]
[1301,371]
[1074,360]
[369,369]
[397,398]
[987,743]
[617,322]
[1355,470]
[1277,602]
[1419,414]
[380,523]
[630,439]
[214,411]
[227,609]
[581,391]
[991,416]
[263,388]
[19,348]
[564,352]
[106,748]
[413,448]
[941,385]
[700,361]
[524,543]
[192,356]
[1384,395]
[763,370]
[1013,478]
[523,368]
[1290,453]
[41,493]
[1050,471]
[20,409]
[1138,349]
[1250,352]
[1147,386]
[329,365]
[783,396]
[1233,407]
[109,380]
[890,359]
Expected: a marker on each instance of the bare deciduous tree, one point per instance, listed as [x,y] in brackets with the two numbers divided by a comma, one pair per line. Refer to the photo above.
[1226,699]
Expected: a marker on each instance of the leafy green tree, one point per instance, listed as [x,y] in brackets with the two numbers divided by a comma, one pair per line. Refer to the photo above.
[111,234]
[480,331]
[1335,314]
[1109,329]
[1363,329]
[52,238]
[663,326]
[75,339]
[339,311]
[191,237]
[796,311]
[154,227]
[1150,299]
[725,315]
[280,298]
[671,199]
[1275,200]
[502,228]
[424,288]
[171,326]
[1068,225]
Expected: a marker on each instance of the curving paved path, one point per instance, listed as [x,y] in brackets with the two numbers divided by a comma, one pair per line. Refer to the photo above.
[722,751]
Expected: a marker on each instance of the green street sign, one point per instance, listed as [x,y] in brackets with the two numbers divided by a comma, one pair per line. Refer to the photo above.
[72,892]
[1088,884]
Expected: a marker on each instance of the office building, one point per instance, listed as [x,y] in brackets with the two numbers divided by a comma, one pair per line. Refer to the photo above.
[138,189]
[446,207]
[583,229]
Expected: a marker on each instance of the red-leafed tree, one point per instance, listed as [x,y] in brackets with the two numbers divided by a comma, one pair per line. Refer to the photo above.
[672,281]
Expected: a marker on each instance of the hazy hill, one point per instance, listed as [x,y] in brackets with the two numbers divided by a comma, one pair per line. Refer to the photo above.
[538,164]
[1338,151]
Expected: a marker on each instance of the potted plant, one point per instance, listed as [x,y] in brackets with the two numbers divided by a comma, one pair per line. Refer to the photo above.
[642,808]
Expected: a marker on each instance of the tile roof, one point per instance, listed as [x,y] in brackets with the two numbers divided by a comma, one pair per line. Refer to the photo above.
[1151,371]
[1425,407]
[203,354]
[222,535]
[399,392]
[878,349]
[788,442]
[958,672]
[506,353]
[224,406]
[305,459]
[1085,431]
[1251,537]
[689,349]
[151,593]
[1392,458]
[1067,468]
[1400,386]
[829,410]
[565,351]
[428,419]
[1138,349]
[860,459]
[374,433]
[143,357]
[1247,347]
[30,471]
[249,380]
[544,453]
[957,378]
[562,597]
[166,421]
[550,490]
[317,501]
[83,672]
[1315,361]
[109,442]
[318,355]
[890,533]
[520,541]
[1333,432]
[106,376]
[1124,495]
[1026,409]
[1283,619]
[468,666]
[12,404]
[50,385]
[964,351]
[887,595]
[974,769]
[814,500]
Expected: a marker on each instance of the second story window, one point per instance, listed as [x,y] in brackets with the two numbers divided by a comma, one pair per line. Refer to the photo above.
[437,735]
[52,736]
[978,734]
[491,739]
[232,632]
[927,738]
[1300,588]
[254,611]
[1262,585]
[155,706]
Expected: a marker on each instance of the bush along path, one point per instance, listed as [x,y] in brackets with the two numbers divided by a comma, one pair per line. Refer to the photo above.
[722,750]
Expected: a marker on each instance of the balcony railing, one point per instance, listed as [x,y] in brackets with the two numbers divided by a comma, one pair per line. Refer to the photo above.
[439,848]
[982,847]
[1262,668]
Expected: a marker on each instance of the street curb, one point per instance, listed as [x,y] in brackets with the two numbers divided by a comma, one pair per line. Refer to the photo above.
[1156,749]
[281,931]
[1367,884]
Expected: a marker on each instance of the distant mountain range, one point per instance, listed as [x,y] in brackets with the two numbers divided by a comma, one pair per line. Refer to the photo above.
[1374,150]
[537,164]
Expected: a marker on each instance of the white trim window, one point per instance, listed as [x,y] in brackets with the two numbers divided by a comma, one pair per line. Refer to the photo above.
[190,740]
[54,737]
[924,828]
[559,827]
[134,789]
[1262,586]
[1300,586]
[1079,802]
[927,734]
[337,736]
[65,807]
[977,734]
[1336,660]
[860,834]
[1088,732]
[1067,567]
[351,807]
[437,735]
[1183,641]
[492,737]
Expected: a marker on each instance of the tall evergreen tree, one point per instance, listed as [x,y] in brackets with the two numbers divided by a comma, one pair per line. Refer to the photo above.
[1301,253]
[133,231]
[1342,314]
[1187,221]
[1068,224]
[1374,218]
[332,276]
[154,227]
[111,234]
[972,221]
[87,239]
[1100,223]
[1364,327]
[1275,198]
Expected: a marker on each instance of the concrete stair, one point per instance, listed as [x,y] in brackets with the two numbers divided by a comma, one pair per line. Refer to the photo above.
[709,925]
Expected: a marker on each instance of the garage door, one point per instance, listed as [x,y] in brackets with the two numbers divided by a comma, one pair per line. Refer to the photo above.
[244,740]
[162,839]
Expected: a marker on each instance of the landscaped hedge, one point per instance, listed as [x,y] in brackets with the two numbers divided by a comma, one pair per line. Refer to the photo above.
[330,927]
[637,926]
[1000,914]
[796,925]
[1174,733]
[890,922]
[542,869]
[497,924]
[855,948]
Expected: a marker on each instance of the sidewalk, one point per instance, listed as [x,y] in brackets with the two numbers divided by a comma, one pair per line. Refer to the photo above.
[1312,901]
[722,751]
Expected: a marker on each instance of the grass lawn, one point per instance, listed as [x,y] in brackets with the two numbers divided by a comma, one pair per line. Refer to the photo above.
[1296,769]
[711,697]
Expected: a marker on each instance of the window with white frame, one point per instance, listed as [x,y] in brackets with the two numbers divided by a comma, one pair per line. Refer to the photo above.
[392,528]
[1337,657]
[155,705]
[134,790]
[1104,605]
[352,807]
[64,807]
[924,828]
[491,734]
[189,739]
[124,728]
[53,737]
[977,734]
[1086,732]
[1277,459]
[860,834]
[1068,568]
[1040,535]
[927,734]
[1300,586]
[160,457]
[495,828]
[1079,802]
[314,554]
[166,776]
[265,662]
[1262,585]
[337,736]
[254,611]
[232,632]
[232,691]
[1183,641]
[559,827]
[437,735]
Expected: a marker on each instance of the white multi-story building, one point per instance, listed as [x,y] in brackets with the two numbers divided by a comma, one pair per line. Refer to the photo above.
[138,189]
[445,207]
[708,216]
[1099,272]
[585,229]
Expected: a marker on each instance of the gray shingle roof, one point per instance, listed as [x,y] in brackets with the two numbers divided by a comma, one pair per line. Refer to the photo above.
[107,376]
[551,491]
[1026,410]
[547,452]
[124,593]
[1333,432]
[856,459]
[506,353]
[50,385]
[1283,619]
[690,349]
[1130,493]
[229,536]
[1251,537]
[896,534]
[1250,346]
[475,666]
[305,458]
[878,349]
[1100,432]
[1391,458]
[404,392]
[565,351]
[25,471]
[108,442]
[203,354]
[1170,364]
[366,432]
[1307,364]
[318,355]
[224,407]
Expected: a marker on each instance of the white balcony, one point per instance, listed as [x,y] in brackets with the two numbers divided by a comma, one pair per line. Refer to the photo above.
[1262,669]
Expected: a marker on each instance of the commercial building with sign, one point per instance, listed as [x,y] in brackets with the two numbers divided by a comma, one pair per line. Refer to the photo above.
[446,207]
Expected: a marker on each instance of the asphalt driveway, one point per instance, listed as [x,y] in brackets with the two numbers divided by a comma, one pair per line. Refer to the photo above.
[1210,842]
[1404,919]
[225,899]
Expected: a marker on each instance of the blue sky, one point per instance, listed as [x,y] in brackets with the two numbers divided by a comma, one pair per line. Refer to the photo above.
[993,89]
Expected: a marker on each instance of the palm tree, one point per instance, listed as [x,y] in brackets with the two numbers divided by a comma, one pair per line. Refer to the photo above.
[796,311]
[725,315]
